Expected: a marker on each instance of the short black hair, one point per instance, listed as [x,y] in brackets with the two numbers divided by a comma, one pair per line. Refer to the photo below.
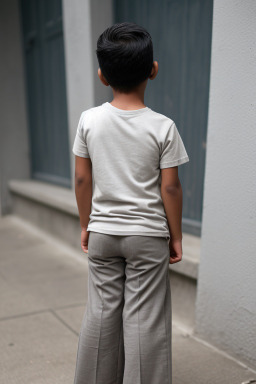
[125,55]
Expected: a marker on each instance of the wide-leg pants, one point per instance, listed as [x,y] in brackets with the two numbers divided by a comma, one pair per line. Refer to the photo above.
[126,332]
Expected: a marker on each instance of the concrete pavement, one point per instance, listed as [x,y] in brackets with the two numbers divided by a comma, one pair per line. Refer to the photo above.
[43,293]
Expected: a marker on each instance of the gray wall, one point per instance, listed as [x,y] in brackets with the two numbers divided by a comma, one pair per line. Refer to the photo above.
[83,21]
[226,299]
[14,148]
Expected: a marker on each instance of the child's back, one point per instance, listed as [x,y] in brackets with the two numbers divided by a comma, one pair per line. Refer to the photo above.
[130,202]
[127,149]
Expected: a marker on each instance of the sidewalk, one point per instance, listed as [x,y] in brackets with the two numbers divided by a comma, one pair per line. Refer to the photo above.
[43,292]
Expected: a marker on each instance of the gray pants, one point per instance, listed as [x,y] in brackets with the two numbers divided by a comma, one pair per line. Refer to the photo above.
[126,333]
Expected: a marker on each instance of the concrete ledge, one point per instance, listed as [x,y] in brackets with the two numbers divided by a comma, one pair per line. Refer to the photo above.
[51,208]
[48,194]
[37,200]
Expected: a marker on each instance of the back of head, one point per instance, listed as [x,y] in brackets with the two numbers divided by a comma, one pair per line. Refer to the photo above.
[125,55]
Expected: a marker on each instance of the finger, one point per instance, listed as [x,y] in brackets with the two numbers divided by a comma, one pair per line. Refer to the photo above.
[84,248]
[175,260]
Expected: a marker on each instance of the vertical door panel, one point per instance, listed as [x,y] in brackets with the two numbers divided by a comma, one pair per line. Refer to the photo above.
[46,90]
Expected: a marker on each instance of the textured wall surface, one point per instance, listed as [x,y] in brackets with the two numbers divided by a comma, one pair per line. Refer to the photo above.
[226,298]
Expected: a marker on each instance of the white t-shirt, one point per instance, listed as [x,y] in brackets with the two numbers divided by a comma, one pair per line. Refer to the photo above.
[127,150]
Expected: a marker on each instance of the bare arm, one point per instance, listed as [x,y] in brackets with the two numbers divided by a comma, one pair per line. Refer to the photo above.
[83,189]
[171,192]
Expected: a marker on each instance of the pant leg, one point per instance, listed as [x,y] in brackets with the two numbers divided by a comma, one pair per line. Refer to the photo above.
[100,355]
[147,315]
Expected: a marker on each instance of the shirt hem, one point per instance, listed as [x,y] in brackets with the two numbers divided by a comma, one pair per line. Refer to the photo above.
[174,163]
[127,233]
[80,154]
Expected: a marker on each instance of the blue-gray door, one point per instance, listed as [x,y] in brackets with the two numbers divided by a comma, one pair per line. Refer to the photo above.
[181,31]
[46,90]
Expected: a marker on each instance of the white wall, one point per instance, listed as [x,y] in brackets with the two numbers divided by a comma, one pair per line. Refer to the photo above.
[78,63]
[226,298]
[83,21]
[14,139]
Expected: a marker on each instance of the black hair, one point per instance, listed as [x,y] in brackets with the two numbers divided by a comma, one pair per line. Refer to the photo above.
[125,55]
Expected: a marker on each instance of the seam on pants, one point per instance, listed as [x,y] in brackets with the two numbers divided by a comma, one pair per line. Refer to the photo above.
[102,298]
[166,337]
[117,367]
[132,252]
[139,327]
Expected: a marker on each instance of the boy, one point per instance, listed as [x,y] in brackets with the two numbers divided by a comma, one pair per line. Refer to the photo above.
[129,199]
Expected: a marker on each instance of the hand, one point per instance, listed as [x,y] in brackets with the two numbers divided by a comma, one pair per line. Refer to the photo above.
[175,247]
[84,240]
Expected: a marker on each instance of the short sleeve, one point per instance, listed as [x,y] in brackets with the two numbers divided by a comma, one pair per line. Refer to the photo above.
[173,151]
[80,146]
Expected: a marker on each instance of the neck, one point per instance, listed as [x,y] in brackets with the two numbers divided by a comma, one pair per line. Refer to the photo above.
[131,100]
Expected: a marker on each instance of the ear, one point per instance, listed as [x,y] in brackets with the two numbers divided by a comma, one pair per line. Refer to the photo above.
[154,70]
[102,78]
